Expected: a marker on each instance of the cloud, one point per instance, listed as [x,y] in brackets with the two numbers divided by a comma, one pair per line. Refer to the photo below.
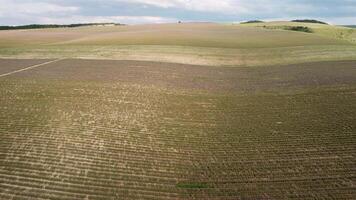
[256,8]
[13,12]
[104,19]
[25,12]
[195,5]
[340,20]
[12,7]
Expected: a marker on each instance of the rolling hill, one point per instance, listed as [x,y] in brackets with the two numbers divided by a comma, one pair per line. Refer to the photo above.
[197,43]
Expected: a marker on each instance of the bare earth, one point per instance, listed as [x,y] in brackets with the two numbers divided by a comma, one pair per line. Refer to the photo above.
[94,129]
[9,65]
[205,78]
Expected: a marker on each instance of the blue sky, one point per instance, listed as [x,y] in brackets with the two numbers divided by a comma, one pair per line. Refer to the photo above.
[17,12]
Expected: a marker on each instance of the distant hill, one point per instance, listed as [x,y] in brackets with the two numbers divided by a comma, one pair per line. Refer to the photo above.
[350,26]
[40,26]
[309,21]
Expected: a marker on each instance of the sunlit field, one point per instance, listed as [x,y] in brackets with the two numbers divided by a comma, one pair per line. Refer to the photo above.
[191,43]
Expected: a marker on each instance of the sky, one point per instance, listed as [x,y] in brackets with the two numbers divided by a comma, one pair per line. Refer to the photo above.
[20,12]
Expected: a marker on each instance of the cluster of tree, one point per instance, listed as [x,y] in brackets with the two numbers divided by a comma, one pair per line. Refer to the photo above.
[252,22]
[309,21]
[297,20]
[291,28]
[298,28]
[39,26]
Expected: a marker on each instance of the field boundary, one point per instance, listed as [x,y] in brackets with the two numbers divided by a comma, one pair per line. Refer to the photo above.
[30,67]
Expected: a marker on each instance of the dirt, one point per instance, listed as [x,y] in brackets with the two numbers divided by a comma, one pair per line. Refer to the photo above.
[9,65]
[86,129]
[193,77]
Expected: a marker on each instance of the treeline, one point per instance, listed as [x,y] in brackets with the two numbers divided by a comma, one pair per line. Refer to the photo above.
[297,20]
[309,21]
[40,26]
[291,28]
[252,22]
[298,28]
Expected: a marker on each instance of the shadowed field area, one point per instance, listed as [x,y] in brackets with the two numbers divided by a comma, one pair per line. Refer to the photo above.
[91,129]
[194,77]
[10,65]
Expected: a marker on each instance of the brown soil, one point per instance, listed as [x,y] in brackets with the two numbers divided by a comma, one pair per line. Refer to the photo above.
[180,76]
[9,65]
[87,129]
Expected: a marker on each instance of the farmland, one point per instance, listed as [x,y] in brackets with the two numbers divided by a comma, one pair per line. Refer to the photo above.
[191,43]
[206,112]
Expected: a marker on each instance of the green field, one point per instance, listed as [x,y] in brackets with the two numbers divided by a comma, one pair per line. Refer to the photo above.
[177,111]
[326,31]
